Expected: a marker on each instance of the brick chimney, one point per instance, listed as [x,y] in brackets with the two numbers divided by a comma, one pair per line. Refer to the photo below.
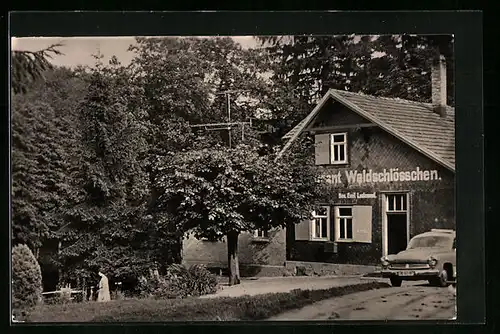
[438,86]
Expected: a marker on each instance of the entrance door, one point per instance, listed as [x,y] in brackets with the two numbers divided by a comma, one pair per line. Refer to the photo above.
[396,232]
[395,227]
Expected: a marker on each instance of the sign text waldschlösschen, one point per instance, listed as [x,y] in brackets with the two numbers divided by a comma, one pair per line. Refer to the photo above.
[386,175]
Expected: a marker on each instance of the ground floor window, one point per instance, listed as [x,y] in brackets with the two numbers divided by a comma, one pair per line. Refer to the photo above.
[350,223]
[320,227]
[353,223]
[344,222]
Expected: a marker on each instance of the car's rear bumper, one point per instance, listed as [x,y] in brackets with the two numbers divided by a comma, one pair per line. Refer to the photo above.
[411,274]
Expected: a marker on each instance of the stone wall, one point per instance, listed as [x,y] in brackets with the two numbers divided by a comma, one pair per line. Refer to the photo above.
[298,268]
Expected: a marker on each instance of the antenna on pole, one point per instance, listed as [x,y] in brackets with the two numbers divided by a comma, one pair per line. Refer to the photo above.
[228,95]
[229,124]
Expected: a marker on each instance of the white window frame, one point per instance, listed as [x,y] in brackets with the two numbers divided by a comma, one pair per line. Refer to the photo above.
[338,217]
[313,225]
[402,198]
[261,234]
[333,147]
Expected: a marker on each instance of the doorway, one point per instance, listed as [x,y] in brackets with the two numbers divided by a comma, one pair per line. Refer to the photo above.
[396,232]
[396,223]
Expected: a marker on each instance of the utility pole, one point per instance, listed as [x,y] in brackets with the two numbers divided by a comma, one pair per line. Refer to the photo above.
[228,95]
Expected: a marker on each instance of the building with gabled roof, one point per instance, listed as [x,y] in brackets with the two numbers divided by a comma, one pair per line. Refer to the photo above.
[387,171]
[387,167]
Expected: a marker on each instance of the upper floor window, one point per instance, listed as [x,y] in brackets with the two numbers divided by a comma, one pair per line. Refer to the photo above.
[338,148]
[331,148]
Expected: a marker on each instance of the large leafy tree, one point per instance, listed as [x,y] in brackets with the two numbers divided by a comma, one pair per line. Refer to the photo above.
[140,114]
[220,192]
[173,94]
[184,80]
[45,137]
[107,228]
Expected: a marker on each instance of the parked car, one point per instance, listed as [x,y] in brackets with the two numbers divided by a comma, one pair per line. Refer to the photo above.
[429,256]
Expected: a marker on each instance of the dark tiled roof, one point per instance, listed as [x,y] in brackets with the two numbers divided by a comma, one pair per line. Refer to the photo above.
[412,122]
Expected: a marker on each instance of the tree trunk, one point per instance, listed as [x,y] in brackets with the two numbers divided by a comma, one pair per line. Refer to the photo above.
[59,271]
[232,258]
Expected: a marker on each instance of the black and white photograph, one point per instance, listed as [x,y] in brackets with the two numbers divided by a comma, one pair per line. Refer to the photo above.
[233,178]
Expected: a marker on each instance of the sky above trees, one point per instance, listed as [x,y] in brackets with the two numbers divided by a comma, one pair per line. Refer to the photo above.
[79,50]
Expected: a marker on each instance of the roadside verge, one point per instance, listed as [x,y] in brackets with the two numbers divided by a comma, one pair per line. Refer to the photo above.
[257,307]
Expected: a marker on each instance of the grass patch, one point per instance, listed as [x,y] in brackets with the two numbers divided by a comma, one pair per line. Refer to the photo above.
[257,307]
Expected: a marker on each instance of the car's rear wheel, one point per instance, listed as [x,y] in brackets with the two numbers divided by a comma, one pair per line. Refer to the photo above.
[396,281]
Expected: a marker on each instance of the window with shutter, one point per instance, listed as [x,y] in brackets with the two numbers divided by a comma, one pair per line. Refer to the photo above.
[331,149]
[353,223]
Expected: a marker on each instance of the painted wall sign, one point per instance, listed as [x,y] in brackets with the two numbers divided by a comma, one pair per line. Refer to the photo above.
[357,195]
[386,175]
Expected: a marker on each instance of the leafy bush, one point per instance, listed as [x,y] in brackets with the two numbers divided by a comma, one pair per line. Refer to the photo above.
[118,295]
[180,282]
[196,280]
[26,278]
[148,287]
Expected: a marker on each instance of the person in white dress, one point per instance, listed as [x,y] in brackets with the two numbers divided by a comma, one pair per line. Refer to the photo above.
[103,292]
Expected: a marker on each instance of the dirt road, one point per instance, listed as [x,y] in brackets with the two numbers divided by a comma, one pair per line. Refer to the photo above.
[412,301]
